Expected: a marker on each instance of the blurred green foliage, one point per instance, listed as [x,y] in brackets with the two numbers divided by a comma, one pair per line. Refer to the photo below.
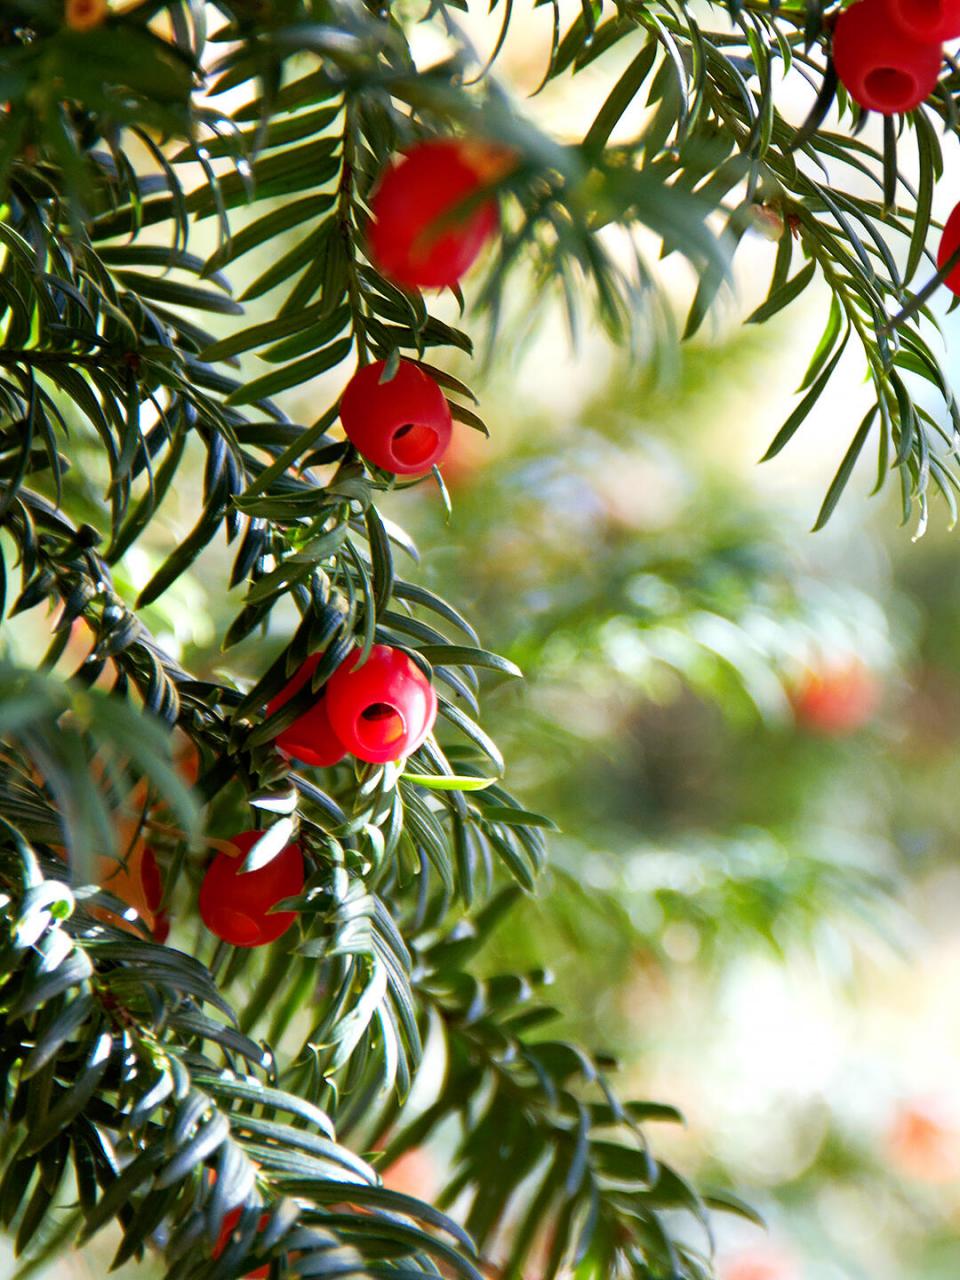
[668,616]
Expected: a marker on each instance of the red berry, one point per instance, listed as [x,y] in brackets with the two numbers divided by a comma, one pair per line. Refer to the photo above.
[418,237]
[150,879]
[932,20]
[403,425]
[161,927]
[415,1173]
[237,907]
[949,244]
[85,15]
[229,1223]
[837,700]
[385,709]
[922,1142]
[880,66]
[309,738]
[135,881]
[764,1263]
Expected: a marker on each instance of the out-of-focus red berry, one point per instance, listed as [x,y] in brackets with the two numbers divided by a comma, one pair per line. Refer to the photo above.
[135,881]
[85,15]
[469,453]
[414,1173]
[423,234]
[150,879]
[403,425]
[229,1223]
[836,700]
[767,1262]
[924,1144]
[161,927]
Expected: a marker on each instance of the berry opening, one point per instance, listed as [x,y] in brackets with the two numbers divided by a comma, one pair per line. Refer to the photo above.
[241,929]
[925,14]
[380,725]
[414,444]
[890,87]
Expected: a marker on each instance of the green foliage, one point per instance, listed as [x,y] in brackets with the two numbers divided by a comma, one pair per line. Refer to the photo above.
[543,1139]
[116,1086]
[129,1080]
[715,130]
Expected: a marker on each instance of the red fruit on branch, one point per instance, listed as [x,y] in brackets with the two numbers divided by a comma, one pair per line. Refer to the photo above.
[135,880]
[415,1173]
[922,1143]
[150,879]
[427,231]
[836,700]
[161,927]
[236,907]
[152,886]
[763,1263]
[85,15]
[229,1224]
[383,710]
[880,66]
[465,460]
[309,738]
[949,244]
[403,425]
[931,20]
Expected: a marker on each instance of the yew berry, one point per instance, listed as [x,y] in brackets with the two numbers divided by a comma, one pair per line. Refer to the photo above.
[837,700]
[229,1224]
[309,738]
[384,709]
[86,15]
[881,67]
[469,454]
[150,879]
[922,1143]
[152,885]
[161,927]
[949,244]
[426,231]
[236,907]
[933,20]
[135,881]
[415,1173]
[764,1263]
[403,425]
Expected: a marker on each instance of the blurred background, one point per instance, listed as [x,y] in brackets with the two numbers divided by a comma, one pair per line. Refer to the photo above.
[748,735]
